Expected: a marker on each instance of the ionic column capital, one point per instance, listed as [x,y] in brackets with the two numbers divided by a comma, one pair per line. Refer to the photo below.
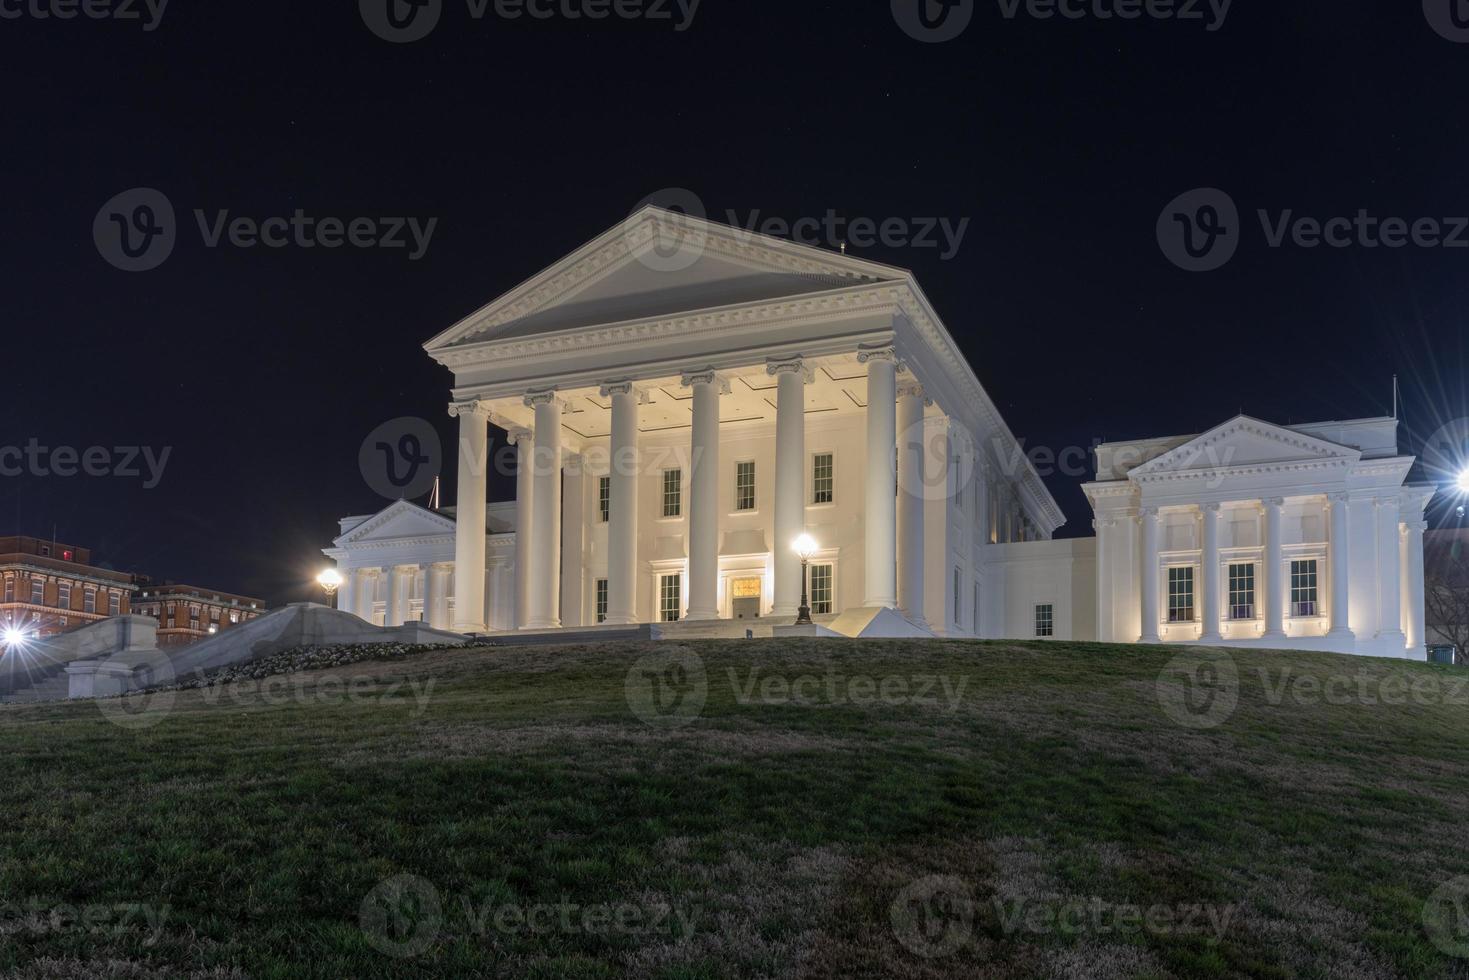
[1210,509]
[1273,503]
[534,399]
[706,376]
[1415,527]
[1340,498]
[912,389]
[472,408]
[790,365]
[613,388]
[877,352]
[1147,513]
[518,434]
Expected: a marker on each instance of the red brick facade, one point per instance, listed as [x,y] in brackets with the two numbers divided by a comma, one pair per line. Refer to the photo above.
[48,587]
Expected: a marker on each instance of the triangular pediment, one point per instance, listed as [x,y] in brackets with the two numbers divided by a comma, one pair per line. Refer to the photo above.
[661,263]
[1244,442]
[395,522]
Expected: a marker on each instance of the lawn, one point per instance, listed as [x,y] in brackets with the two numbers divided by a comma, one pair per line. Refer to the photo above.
[752,809]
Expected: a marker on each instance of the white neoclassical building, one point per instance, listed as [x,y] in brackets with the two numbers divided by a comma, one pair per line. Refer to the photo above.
[687,399]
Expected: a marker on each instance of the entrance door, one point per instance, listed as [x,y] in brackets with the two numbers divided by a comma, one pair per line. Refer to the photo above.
[745,598]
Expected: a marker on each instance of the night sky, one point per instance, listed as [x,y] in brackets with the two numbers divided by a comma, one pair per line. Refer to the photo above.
[1061,141]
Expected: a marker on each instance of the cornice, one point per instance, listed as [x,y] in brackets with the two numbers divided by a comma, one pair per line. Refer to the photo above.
[1253,469]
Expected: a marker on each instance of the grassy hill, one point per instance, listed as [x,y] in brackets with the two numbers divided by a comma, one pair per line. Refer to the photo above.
[758,809]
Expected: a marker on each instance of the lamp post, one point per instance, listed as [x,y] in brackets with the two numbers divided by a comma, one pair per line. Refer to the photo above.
[805,546]
[330,581]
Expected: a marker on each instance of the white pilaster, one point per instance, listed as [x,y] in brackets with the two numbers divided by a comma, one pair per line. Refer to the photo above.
[1415,615]
[881,537]
[1341,626]
[469,517]
[436,579]
[791,377]
[346,592]
[622,507]
[704,494]
[911,452]
[397,595]
[1211,574]
[545,597]
[1149,517]
[525,487]
[1389,568]
[365,593]
[573,580]
[1275,577]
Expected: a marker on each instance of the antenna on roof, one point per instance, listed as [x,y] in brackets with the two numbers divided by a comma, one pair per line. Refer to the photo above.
[1395,398]
[433,499]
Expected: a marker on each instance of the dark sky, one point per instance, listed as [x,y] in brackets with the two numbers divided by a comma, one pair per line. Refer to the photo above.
[1061,141]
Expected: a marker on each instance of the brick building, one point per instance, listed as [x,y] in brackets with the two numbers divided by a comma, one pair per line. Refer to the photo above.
[48,587]
[186,613]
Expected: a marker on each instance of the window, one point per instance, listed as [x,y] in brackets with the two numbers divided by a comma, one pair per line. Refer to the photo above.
[1181,594]
[958,597]
[114,605]
[234,615]
[89,601]
[823,481]
[601,600]
[821,592]
[673,493]
[193,619]
[1303,588]
[45,551]
[1045,620]
[10,590]
[1242,591]
[63,595]
[745,485]
[670,598]
[604,499]
[38,591]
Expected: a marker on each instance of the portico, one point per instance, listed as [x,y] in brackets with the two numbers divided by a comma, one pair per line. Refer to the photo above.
[691,399]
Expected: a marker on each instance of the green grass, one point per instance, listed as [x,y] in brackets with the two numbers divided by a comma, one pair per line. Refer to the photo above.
[1003,826]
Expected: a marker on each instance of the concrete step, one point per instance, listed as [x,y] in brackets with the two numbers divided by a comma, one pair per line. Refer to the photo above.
[51,689]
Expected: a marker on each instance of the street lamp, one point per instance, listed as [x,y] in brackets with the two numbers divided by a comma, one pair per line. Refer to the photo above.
[330,580]
[805,546]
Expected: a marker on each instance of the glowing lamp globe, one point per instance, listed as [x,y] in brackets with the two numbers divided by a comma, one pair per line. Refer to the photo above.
[805,546]
[330,580]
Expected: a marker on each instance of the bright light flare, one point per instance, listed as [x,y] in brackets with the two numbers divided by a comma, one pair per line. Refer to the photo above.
[1463,481]
[805,546]
[331,580]
[12,637]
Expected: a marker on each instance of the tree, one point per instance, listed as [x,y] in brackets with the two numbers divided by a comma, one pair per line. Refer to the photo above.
[1446,588]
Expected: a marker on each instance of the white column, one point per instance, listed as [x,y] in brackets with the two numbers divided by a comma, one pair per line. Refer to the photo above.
[346,600]
[1211,574]
[525,468]
[397,595]
[622,507]
[469,517]
[1275,577]
[545,597]
[1150,575]
[704,494]
[881,504]
[1341,626]
[911,452]
[1415,616]
[790,480]
[365,592]
[1389,568]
